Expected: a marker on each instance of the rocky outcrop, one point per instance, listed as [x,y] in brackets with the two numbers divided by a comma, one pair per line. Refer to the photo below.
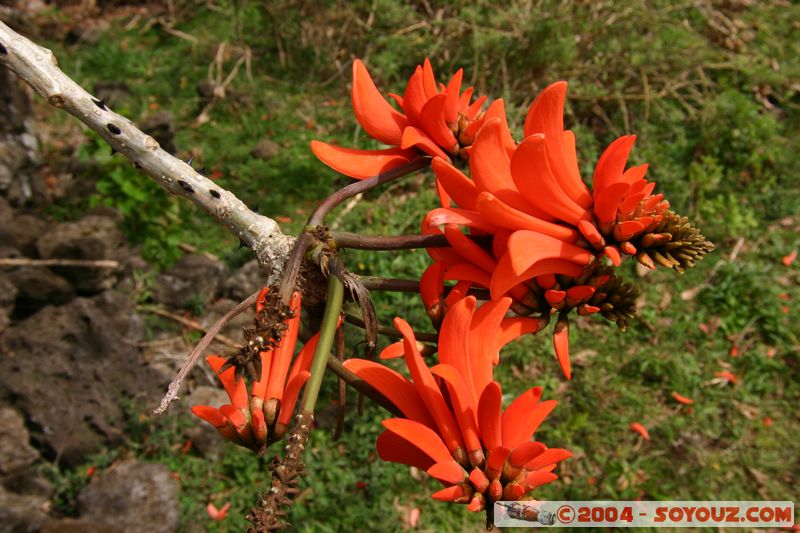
[132,497]
[70,367]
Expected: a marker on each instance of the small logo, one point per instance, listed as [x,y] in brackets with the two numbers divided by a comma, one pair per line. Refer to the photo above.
[565,514]
[528,513]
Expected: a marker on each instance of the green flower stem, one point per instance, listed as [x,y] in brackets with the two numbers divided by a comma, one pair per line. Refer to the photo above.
[330,320]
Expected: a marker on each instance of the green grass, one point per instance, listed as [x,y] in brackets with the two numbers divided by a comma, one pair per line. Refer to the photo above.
[713,97]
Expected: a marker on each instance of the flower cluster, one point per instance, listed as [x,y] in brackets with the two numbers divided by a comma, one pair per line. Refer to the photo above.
[454,427]
[260,417]
[526,225]
[435,119]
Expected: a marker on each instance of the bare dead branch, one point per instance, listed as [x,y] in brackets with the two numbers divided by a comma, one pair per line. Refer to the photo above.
[192,358]
[80,263]
[38,67]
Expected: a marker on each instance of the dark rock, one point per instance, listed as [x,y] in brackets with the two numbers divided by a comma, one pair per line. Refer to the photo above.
[73,525]
[16,452]
[266,149]
[21,513]
[94,237]
[193,280]
[6,213]
[19,147]
[8,295]
[205,438]
[133,497]
[38,287]
[22,231]
[245,281]
[69,368]
[29,482]
[233,328]
[161,127]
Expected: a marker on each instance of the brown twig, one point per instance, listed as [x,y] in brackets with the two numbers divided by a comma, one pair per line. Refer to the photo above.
[38,67]
[80,263]
[330,203]
[191,360]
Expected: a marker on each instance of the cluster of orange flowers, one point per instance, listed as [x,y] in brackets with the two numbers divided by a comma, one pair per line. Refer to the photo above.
[524,230]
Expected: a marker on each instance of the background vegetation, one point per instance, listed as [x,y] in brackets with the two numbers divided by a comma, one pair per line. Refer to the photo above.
[711,89]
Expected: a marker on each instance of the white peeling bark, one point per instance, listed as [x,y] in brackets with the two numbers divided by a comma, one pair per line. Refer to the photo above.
[38,67]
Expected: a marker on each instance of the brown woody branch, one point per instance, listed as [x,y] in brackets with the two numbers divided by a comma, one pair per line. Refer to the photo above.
[38,67]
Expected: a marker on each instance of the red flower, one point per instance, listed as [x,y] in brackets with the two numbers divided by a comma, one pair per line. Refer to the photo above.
[436,120]
[680,398]
[454,426]
[259,418]
[636,427]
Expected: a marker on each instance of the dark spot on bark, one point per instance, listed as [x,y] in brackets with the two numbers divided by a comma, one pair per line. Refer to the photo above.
[3,49]
[215,193]
[137,165]
[185,186]
[99,103]
[113,129]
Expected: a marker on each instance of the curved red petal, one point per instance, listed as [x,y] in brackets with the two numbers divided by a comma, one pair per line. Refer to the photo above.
[484,330]
[415,137]
[506,216]
[427,388]
[529,247]
[504,277]
[453,90]
[394,386]
[467,248]
[393,351]
[449,472]
[608,201]
[469,272]
[464,404]
[489,412]
[212,415]
[534,418]
[546,113]
[414,96]
[534,178]
[549,457]
[515,415]
[432,121]
[454,341]
[290,395]
[305,357]
[420,436]
[396,449]
[524,453]
[458,186]
[513,327]
[378,118]
[461,217]
[497,109]
[282,354]
[361,164]
[449,494]
[428,79]
[611,164]
[561,345]
[490,165]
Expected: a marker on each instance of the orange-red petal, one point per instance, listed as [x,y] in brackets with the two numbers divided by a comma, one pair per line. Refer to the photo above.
[513,418]
[611,165]
[378,118]
[561,345]
[394,386]
[417,138]
[505,216]
[282,354]
[489,412]
[361,164]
